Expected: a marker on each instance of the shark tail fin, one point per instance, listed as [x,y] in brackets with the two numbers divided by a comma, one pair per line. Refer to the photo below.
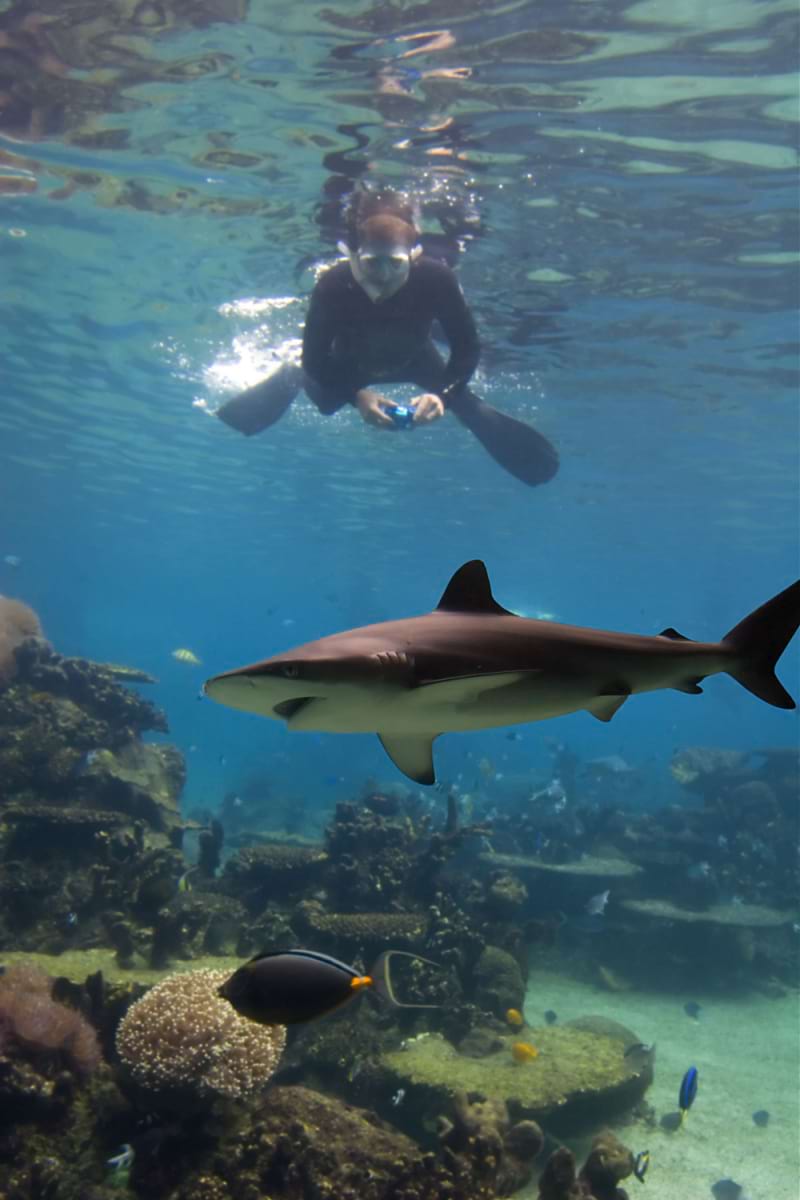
[382,979]
[758,642]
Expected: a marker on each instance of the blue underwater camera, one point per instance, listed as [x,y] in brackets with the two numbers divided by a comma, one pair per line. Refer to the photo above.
[402,416]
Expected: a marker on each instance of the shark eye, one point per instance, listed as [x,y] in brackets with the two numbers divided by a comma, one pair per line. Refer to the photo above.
[290,671]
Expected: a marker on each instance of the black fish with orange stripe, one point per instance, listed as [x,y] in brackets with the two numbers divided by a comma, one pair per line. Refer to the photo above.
[289,987]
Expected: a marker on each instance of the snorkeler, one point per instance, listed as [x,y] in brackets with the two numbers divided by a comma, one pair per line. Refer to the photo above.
[369,322]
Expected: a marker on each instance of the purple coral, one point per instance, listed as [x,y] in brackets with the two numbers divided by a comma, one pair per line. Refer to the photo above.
[17,622]
[35,1025]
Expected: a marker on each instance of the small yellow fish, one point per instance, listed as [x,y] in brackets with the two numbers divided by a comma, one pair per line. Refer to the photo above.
[523,1052]
[515,1017]
[187,656]
[185,881]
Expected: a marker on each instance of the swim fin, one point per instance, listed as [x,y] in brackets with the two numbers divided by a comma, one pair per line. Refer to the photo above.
[262,405]
[514,445]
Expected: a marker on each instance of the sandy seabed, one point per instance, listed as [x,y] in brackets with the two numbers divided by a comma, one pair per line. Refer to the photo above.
[747,1053]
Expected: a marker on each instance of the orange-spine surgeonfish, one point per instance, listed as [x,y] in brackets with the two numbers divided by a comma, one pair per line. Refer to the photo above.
[288,987]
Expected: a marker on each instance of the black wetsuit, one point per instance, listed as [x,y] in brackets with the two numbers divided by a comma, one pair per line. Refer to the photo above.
[351,342]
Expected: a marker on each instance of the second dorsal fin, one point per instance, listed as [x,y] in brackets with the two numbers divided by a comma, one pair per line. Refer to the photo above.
[673,635]
[469,591]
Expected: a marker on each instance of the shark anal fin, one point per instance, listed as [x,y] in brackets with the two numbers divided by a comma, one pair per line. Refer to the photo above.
[604,707]
[691,686]
[412,754]
[673,635]
[469,591]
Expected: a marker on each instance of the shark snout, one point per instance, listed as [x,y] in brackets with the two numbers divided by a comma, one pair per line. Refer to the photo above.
[270,693]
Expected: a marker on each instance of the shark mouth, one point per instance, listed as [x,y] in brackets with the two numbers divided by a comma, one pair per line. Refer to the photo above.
[289,708]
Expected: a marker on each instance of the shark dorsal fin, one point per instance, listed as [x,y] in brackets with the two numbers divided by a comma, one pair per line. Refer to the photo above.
[469,591]
[673,635]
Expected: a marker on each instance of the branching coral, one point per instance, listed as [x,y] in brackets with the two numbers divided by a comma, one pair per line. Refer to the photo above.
[32,1023]
[17,622]
[181,1036]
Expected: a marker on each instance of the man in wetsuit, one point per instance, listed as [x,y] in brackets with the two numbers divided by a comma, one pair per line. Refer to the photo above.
[369,322]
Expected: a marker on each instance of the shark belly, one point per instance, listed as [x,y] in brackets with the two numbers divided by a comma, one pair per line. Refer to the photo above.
[456,705]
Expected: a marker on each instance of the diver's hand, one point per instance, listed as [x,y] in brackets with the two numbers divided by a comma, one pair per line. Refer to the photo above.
[371,405]
[427,407]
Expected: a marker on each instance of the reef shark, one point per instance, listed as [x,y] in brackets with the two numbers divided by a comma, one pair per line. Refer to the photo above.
[471,664]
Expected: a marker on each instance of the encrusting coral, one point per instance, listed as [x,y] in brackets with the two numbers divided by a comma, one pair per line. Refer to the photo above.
[182,1037]
[17,622]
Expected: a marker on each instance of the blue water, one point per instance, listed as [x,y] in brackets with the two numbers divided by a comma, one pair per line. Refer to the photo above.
[636,177]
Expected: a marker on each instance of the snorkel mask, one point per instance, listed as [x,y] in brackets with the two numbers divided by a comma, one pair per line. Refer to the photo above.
[382,257]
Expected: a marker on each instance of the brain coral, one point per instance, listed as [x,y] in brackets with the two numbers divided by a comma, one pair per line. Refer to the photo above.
[182,1035]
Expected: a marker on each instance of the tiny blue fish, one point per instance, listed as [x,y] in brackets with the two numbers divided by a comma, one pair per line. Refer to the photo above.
[597,905]
[693,1010]
[550,1016]
[688,1091]
[122,1161]
[761,1118]
[640,1164]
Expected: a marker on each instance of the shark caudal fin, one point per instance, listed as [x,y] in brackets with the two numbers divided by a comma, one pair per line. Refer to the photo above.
[760,640]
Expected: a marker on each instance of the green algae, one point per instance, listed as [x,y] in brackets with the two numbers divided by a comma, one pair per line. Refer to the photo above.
[77,965]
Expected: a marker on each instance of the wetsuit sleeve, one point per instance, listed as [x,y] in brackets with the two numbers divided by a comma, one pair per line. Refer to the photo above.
[459,328]
[322,324]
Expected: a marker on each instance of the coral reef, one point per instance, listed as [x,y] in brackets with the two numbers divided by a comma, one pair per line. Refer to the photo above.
[502,1151]
[92,870]
[608,1163]
[499,984]
[303,1144]
[364,929]
[89,845]
[182,1038]
[272,873]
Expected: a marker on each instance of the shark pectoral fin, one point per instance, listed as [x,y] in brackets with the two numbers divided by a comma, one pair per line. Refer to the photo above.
[411,754]
[604,706]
